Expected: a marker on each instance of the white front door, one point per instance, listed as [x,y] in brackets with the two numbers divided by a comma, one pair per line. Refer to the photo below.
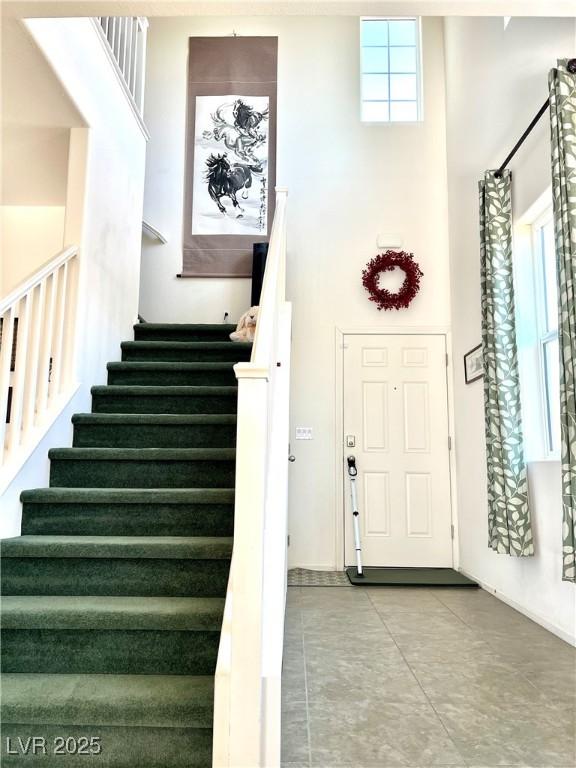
[396,413]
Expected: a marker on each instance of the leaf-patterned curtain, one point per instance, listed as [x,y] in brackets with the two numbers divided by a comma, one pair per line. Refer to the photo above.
[509,526]
[563,122]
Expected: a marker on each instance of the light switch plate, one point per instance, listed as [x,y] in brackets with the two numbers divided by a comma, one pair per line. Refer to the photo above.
[303,433]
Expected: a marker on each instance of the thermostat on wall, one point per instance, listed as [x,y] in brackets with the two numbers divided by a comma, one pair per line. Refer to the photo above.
[389,240]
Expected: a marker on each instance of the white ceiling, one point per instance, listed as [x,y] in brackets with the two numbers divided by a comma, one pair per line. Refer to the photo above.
[29,8]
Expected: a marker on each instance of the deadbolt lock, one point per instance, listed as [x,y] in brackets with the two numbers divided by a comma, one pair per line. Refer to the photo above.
[350,441]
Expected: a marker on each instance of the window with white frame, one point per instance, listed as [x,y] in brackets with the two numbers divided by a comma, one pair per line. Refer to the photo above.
[537,332]
[544,255]
[390,70]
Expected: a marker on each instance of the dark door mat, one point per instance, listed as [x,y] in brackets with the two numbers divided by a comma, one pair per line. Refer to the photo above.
[408,577]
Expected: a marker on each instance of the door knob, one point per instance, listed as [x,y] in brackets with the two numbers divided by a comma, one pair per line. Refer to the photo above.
[292,458]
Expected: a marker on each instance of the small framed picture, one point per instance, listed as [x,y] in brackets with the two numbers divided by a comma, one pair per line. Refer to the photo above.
[473,365]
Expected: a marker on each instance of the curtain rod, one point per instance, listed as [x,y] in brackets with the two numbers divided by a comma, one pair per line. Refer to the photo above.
[571,66]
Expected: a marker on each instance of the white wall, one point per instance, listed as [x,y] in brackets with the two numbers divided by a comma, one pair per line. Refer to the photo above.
[105,206]
[31,236]
[35,125]
[496,81]
[347,183]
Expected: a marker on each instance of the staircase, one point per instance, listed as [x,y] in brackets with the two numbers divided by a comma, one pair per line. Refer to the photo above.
[114,593]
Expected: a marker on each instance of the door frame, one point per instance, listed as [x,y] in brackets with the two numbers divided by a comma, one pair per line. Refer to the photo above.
[339,511]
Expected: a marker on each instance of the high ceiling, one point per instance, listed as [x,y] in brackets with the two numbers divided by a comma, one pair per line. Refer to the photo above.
[23,8]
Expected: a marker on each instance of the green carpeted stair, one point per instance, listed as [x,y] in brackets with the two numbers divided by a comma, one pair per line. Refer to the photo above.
[113,595]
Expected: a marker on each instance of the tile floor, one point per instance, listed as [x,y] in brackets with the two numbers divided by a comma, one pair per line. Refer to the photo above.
[386,678]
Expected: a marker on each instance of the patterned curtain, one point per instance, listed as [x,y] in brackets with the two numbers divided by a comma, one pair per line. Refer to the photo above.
[563,121]
[509,526]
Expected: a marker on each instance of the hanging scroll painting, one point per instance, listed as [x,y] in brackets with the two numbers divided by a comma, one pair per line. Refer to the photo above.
[230,193]
[230,171]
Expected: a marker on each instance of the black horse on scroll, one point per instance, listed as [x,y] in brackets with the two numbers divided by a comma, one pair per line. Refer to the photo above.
[226,180]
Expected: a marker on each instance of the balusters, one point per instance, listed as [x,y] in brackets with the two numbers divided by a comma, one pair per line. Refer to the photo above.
[5,366]
[36,351]
[129,57]
[15,428]
[124,59]
[31,382]
[140,63]
[58,341]
[112,33]
[46,346]
[126,39]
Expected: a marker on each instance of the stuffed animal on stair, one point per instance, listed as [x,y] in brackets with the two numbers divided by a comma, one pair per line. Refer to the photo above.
[246,328]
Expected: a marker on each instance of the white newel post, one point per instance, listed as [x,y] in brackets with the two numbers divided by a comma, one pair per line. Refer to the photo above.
[247,575]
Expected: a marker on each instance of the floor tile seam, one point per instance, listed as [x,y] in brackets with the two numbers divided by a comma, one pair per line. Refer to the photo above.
[431,705]
[453,612]
[485,640]
[379,617]
[403,765]
[307,708]
[508,664]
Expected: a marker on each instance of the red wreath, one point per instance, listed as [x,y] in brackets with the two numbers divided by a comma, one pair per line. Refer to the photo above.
[386,262]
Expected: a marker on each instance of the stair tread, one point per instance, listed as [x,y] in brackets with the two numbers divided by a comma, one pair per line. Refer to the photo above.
[129,495]
[135,547]
[134,613]
[154,418]
[162,391]
[149,344]
[142,454]
[224,327]
[177,701]
[140,365]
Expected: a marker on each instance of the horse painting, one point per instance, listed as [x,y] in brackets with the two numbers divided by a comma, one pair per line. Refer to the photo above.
[247,119]
[241,138]
[226,180]
[230,179]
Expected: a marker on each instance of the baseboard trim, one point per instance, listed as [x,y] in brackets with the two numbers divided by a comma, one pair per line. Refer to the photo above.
[551,627]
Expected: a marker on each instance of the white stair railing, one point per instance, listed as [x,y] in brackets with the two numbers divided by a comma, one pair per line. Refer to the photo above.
[36,348]
[125,37]
[248,673]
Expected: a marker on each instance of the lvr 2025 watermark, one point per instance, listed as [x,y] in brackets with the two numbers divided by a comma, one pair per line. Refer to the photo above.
[59,745]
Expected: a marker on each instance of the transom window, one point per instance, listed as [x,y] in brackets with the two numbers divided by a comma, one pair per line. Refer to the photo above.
[390,70]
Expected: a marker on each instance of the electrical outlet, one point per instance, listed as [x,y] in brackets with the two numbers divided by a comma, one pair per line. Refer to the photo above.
[303,433]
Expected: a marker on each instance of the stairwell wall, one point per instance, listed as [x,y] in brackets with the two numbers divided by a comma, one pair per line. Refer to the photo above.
[104,213]
[347,182]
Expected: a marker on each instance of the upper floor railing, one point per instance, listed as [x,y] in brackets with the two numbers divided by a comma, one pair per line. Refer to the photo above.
[125,37]
[247,706]
[37,333]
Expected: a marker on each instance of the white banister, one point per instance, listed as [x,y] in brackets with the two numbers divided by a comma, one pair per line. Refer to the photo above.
[248,673]
[151,231]
[125,40]
[38,335]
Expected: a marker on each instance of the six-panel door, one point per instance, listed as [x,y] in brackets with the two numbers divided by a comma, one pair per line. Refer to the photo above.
[396,412]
